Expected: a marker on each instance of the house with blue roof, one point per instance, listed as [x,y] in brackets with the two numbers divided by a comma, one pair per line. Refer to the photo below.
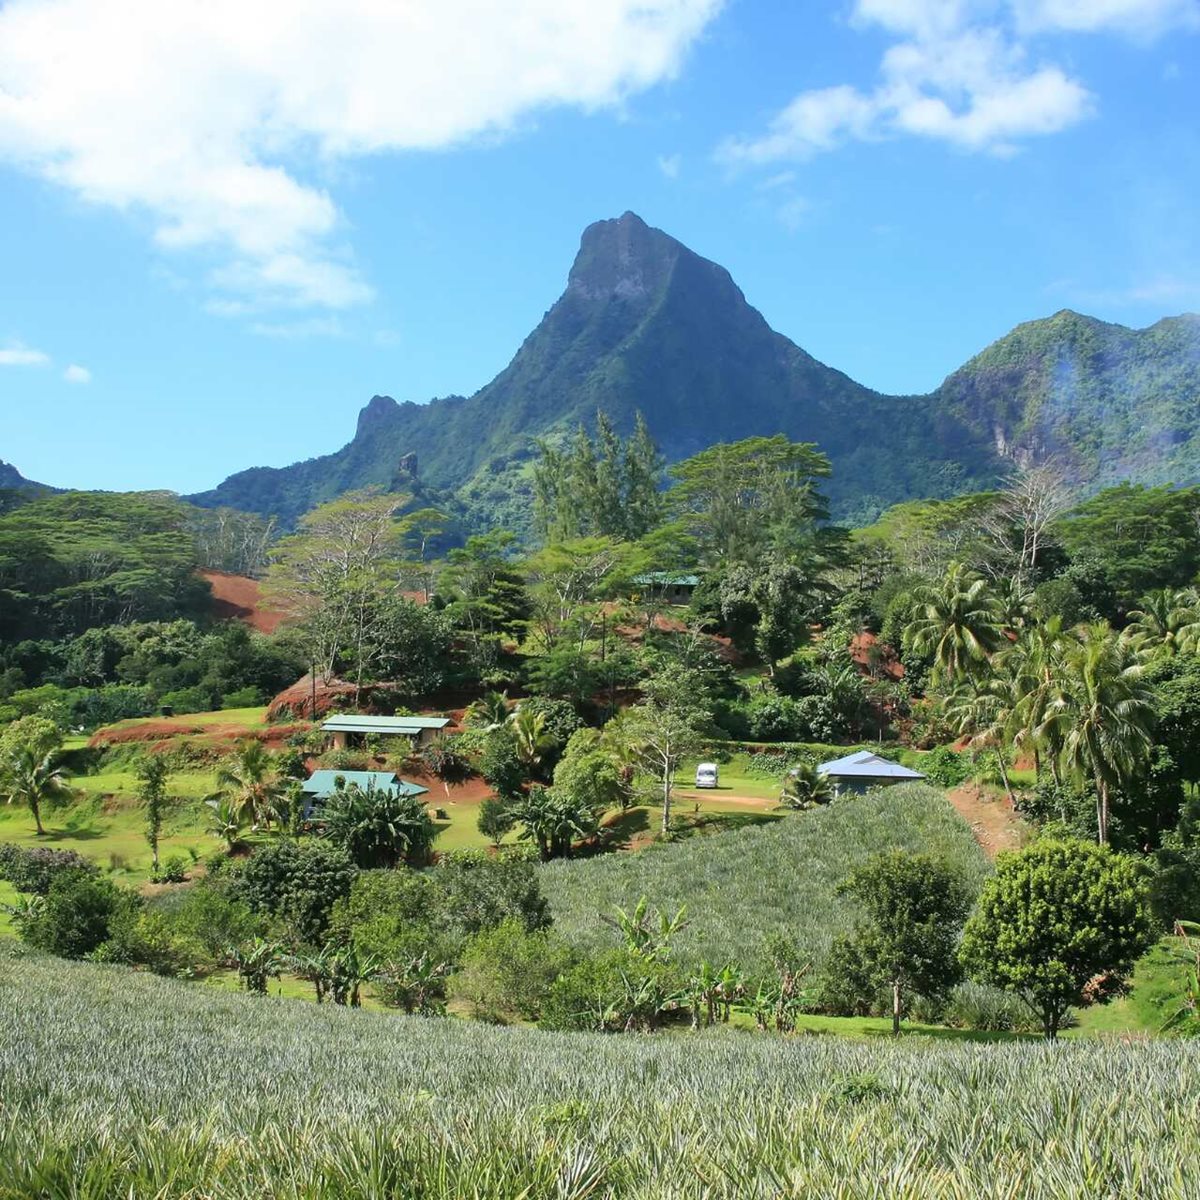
[862,771]
[320,785]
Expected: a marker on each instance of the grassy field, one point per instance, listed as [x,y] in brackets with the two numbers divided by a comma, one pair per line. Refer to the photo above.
[114,1083]
[107,825]
[249,717]
[782,876]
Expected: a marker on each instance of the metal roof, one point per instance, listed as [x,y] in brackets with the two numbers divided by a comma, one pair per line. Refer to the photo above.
[324,783]
[666,577]
[354,723]
[865,765]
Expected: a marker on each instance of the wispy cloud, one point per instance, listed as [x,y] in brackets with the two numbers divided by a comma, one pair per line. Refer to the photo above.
[670,164]
[309,327]
[220,120]
[77,374]
[17,355]
[963,72]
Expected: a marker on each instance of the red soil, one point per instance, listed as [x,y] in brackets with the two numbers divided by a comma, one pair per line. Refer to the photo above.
[863,651]
[160,733]
[239,598]
[995,826]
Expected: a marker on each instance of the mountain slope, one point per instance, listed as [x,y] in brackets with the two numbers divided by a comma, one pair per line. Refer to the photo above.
[647,325]
[11,479]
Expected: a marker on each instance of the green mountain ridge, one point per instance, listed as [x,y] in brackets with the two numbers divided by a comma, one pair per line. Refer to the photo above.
[645,324]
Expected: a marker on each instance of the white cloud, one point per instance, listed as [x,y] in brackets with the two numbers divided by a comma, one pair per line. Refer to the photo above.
[77,374]
[959,71]
[220,119]
[669,165]
[17,355]
[793,213]
[295,330]
[1140,18]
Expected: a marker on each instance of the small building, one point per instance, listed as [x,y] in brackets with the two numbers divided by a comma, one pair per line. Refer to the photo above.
[320,785]
[668,587]
[349,730]
[862,771]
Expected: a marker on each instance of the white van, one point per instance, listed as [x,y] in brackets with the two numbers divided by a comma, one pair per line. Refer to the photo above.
[706,775]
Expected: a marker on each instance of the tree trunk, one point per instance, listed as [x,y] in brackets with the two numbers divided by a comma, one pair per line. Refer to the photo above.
[37,818]
[895,1006]
[1055,770]
[1102,810]
[1004,773]
[666,808]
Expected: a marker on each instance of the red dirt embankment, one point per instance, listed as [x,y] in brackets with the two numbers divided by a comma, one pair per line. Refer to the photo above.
[161,732]
[991,818]
[239,598]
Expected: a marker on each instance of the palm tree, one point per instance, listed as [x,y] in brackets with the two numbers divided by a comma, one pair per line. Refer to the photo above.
[1106,713]
[490,711]
[225,820]
[532,739]
[1034,666]
[957,622]
[805,787]
[553,821]
[1168,622]
[28,776]
[379,827]
[985,711]
[251,783]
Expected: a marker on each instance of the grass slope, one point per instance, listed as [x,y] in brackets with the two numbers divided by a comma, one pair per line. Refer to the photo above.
[115,1083]
[739,886]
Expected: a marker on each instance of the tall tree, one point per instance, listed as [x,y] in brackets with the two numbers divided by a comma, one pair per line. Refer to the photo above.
[659,733]
[1105,713]
[1059,924]
[330,575]
[153,771]
[956,623]
[742,498]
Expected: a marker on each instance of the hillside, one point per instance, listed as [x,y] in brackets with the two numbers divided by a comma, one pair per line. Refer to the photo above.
[647,325]
[11,479]
[798,865]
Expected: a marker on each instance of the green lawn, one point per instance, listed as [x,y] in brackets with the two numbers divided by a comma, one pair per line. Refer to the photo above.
[256,716]
[108,826]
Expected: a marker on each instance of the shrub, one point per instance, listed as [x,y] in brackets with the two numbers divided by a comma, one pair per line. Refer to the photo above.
[379,827]
[494,820]
[507,972]
[944,767]
[174,869]
[34,870]
[247,697]
[299,882]
[613,992]
[209,918]
[76,918]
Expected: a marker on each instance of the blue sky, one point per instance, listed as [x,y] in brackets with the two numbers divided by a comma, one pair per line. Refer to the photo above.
[224,227]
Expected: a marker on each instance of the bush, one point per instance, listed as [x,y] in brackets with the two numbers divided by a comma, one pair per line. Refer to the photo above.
[33,871]
[500,766]
[77,915]
[174,869]
[247,697]
[507,972]
[975,1006]
[298,882]
[494,820]
[189,700]
[610,993]
[944,767]
[209,918]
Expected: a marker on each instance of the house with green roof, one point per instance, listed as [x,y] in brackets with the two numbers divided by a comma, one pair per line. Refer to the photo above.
[352,729]
[320,785]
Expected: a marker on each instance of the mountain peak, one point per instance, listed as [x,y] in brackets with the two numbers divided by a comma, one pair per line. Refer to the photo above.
[622,257]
